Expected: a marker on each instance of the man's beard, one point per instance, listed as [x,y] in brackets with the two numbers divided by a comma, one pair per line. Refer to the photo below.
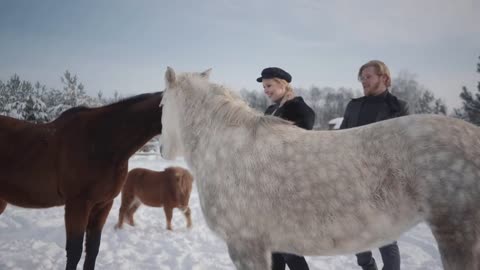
[373,89]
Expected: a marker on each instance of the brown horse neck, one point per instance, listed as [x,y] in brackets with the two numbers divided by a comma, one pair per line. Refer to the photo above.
[126,126]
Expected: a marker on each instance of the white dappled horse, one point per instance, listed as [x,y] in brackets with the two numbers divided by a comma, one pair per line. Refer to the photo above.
[266,185]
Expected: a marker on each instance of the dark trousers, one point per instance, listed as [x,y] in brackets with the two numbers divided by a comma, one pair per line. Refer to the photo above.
[294,262]
[390,256]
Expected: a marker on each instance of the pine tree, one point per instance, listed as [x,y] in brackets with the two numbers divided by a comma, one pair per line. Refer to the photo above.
[74,93]
[470,109]
[419,99]
[16,93]
[428,104]
[21,100]
[440,107]
[35,110]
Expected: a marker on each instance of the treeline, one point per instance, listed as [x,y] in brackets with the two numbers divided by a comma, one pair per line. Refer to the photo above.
[37,103]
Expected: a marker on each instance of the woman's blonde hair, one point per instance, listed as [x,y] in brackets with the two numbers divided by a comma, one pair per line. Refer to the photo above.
[380,69]
[289,94]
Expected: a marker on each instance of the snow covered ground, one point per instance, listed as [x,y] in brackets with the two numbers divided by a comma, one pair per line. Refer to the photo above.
[35,239]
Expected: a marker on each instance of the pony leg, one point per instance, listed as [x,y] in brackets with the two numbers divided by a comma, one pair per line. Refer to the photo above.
[97,219]
[76,215]
[127,200]
[121,216]
[458,242]
[122,212]
[168,214]
[247,255]
[3,205]
[131,211]
[188,216]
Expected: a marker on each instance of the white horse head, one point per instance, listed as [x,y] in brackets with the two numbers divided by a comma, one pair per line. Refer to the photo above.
[172,146]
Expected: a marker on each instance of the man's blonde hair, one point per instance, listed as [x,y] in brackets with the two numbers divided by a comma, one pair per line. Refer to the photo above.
[380,69]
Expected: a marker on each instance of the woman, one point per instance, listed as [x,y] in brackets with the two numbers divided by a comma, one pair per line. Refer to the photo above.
[276,85]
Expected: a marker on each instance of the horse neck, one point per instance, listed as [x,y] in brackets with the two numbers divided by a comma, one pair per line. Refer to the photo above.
[203,116]
[132,143]
[121,136]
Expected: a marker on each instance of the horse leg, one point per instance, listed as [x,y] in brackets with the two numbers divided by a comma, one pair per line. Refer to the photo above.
[458,241]
[97,219]
[247,255]
[3,205]
[168,214]
[188,216]
[131,211]
[76,217]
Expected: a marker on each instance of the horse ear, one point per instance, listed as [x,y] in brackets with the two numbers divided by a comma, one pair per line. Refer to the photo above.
[170,77]
[206,74]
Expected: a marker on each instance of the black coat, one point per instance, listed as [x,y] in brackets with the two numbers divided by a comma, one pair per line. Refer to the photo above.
[295,110]
[385,107]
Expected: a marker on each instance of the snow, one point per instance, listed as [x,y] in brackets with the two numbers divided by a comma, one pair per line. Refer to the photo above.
[35,239]
[335,123]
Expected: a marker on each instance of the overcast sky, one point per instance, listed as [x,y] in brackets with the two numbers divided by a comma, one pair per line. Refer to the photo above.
[127,45]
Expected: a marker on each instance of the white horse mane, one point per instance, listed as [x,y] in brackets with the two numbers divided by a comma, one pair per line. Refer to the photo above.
[224,102]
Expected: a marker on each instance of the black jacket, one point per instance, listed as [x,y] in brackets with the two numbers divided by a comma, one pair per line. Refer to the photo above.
[295,110]
[385,107]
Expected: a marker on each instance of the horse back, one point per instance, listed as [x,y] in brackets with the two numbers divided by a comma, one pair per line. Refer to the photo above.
[157,188]
[426,159]
[21,141]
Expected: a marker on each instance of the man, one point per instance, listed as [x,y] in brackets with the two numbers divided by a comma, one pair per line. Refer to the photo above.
[377,104]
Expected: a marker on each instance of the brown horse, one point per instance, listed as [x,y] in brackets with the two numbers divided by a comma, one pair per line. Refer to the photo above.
[79,160]
[170,188]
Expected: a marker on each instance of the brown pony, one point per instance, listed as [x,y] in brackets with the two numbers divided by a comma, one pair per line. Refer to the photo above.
[170,188]
[79,160]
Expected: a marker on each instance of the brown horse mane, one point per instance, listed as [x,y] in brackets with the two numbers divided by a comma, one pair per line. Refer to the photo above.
[122,103]
[74,110]
[133,100]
